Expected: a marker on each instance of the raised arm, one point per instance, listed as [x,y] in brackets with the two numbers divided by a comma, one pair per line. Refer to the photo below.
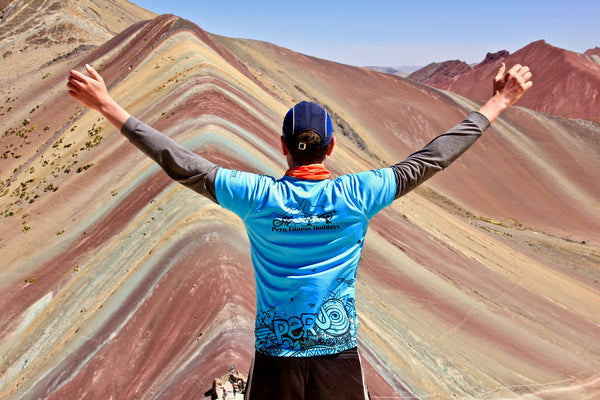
[443,150]
[182,165]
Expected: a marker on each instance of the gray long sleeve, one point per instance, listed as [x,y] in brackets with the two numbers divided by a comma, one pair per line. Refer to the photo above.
[439,153]
[182,165]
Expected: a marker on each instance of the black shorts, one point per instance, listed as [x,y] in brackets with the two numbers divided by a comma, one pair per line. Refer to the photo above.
[337,376]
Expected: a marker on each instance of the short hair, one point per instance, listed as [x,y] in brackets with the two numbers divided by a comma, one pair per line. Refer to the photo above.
[305,148]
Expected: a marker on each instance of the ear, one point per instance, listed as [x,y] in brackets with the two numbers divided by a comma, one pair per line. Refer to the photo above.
[332,146]
[284,148]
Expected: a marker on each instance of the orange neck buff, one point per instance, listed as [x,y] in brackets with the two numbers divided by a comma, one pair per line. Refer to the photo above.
[316,172]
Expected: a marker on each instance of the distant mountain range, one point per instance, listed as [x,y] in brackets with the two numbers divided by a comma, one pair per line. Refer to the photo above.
[402,71]
[573,77]
[117,282]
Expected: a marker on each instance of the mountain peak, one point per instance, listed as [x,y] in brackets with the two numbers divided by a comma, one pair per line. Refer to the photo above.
[436,73]
[493,57]
[548,63]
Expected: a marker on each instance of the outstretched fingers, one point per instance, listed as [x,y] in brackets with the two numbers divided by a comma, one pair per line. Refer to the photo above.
[74,85]
[522,75]
[76,75]
[525,76]
[520,72]
[76,81]
[516,82]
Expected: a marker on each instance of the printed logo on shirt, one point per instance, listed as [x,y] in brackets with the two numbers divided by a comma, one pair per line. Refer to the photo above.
[305,217]
[330,327]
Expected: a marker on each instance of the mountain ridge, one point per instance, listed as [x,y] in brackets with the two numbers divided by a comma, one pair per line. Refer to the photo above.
[569,73]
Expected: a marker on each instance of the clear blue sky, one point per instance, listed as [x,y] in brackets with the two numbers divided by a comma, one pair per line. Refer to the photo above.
[396,33]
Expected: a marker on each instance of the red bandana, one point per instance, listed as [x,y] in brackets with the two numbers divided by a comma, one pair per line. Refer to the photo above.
[316,172]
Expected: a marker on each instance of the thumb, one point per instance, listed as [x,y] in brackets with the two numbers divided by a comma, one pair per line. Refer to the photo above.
[500,72]
[93,72]
[499,79]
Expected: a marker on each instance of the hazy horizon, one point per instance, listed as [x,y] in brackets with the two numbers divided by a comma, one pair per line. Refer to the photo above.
[390,34]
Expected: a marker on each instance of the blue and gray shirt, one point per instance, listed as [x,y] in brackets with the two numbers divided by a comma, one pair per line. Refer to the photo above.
[306,236]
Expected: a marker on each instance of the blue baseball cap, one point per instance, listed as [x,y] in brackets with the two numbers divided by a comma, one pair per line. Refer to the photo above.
[308,116]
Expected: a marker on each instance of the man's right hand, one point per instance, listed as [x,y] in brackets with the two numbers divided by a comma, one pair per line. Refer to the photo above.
[91,92]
